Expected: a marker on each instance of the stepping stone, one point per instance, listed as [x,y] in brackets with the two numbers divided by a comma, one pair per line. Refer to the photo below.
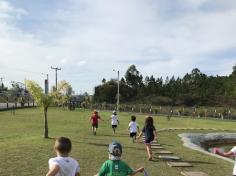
[179,164]
[194,174]
[155,144]
[168,157]
[157,147]
[164,152]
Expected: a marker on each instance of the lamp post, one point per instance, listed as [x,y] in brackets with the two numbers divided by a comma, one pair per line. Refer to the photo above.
[118,89]
[46,84]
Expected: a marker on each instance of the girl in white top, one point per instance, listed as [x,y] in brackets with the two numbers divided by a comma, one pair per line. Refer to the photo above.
[63,165]
[114,121]
[133,128]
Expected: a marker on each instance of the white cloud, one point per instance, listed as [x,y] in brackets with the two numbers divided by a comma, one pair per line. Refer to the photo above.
[81,63]
[64,60]
[162,39]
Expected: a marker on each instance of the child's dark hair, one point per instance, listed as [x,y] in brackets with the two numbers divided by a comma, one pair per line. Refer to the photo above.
[133,118]
[149,122]
[63,145]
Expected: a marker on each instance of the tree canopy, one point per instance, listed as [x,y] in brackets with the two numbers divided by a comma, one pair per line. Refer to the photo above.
[194,88]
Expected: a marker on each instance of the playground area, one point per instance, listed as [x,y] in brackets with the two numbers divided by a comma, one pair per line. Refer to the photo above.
[22,142]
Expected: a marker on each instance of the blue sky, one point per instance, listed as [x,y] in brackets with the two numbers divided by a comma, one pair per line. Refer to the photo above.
[88,38]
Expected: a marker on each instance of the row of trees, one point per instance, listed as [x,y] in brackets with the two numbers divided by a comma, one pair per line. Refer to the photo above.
[195,88]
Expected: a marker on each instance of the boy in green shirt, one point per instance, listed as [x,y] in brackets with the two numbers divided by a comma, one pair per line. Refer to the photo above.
[115,166]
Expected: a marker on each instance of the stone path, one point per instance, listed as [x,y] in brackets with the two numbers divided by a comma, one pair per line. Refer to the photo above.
[179,164]
[194,174]
[157,147]
[168,157]
[173,160]
[163,152]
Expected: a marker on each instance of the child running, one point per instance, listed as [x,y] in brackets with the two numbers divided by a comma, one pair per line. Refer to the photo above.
[150,134]
[63,164]
[230,153]
[94,119]
[133,128]
[115,166]
[114,121]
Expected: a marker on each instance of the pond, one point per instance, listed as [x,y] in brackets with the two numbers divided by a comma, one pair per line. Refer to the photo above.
[205,143]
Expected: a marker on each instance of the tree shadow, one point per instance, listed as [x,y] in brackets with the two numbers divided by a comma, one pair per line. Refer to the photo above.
[97,144]
[198,162]
[114,135]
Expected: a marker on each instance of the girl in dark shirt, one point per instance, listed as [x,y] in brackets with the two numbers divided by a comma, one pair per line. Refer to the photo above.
[150,134]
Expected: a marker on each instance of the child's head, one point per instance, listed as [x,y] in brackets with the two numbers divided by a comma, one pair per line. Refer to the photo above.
[115,150]
[114,113]
[148,121]
[133,118]
[63,145]
[95,111]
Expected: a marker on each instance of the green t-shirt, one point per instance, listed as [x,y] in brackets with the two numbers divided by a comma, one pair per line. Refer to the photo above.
[115,168]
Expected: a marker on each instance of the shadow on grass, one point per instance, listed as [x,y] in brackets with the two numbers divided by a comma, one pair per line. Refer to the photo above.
[198,162]
[99,145]
[135,148]
[114,135]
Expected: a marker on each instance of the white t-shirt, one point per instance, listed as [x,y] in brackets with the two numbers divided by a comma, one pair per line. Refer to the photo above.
[114,120]
[68,166]
[133,127]
[234,151]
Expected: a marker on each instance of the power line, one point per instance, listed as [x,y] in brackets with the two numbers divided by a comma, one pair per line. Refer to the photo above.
[56,69]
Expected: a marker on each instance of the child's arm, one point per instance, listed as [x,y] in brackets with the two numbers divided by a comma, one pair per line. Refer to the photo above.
[227,154]
[139,136]
[53,171]
[141,169]
[128,128]
[77,174]
[155,134]
[100,118]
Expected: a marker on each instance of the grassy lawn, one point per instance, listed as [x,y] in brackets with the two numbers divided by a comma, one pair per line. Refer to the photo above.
[24,152]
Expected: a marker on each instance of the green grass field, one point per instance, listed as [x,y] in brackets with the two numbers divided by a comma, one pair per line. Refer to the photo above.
[24,152]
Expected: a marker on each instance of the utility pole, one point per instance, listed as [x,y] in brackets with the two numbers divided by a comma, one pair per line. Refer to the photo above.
[56,69]
[46,84]
[118,90]
[1,78]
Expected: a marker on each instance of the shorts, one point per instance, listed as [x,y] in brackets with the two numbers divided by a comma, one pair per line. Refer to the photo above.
[95,125]
[114,126]
[148,141]
[132,134]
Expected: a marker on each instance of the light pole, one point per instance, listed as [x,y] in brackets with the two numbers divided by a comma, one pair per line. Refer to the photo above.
[46,84]
[118,89]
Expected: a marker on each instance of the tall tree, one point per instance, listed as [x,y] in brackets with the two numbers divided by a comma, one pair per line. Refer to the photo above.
[133,78]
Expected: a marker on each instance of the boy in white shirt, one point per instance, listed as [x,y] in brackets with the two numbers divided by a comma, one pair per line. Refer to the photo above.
[133,128]
[114,121]
[63,165]
[230,153]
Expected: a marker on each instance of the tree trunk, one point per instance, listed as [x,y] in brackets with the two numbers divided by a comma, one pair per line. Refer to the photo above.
[45,123]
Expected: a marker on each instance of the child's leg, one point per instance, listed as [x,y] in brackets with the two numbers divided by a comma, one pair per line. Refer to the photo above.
[149,151]
[134,137]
